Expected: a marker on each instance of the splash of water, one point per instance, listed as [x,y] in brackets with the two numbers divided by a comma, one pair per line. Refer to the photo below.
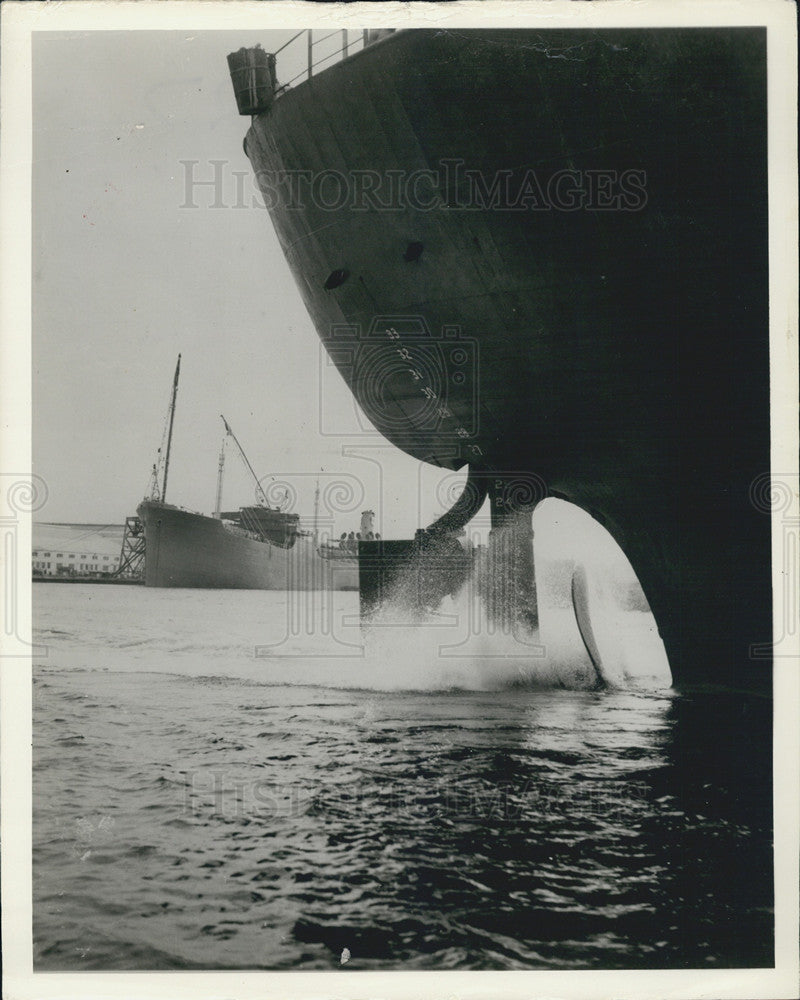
[466,641]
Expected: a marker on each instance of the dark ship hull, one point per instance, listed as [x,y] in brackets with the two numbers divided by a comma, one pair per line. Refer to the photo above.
[183,549]
[588,308]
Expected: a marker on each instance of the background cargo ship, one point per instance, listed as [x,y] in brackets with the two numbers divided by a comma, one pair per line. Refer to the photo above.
[257,547]
[574,294]
[254,548]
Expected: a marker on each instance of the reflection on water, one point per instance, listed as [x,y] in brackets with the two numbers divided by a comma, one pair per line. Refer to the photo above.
[218,818]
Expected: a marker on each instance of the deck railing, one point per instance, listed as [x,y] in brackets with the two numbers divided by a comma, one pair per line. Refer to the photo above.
[339,45]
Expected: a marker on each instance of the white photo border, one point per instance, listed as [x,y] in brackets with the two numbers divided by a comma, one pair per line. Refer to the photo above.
[19,21]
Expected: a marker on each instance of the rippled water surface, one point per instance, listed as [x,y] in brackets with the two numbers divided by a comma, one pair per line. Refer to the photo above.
[198,806]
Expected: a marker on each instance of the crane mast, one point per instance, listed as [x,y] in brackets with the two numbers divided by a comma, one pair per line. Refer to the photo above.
[261,496]
[316,513]
[169,433]
[218,504]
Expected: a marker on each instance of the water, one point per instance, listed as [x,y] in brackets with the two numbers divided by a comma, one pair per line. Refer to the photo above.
[200,806]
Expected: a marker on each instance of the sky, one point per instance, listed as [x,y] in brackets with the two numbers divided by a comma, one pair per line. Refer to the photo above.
[132,265]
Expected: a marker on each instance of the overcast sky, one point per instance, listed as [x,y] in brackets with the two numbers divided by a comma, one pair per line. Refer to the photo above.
[125,277]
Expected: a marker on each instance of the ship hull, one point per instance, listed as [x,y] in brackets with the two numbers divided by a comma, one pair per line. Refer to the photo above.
[616,347]
[183,549]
